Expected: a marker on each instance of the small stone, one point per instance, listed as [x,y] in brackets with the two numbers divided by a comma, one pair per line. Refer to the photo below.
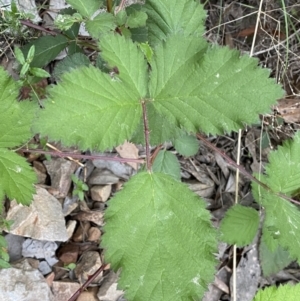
[94,234]
[89,263]
[42,220]
[60,171]
[81,232]
[14,246]
[71,225]
[63,290]
[100,193]
[68,253]
[108,290]
[87,296]
[22,282]
[102,177]
[92,216]
[40,171]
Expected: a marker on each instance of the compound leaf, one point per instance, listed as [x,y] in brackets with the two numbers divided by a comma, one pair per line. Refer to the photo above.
[166,162]
[128,58]
[167,17]
[239,225]
[85,7]
[283,292]
[90,109]
[46,49]
[136,19]
[165,242]
[220,93]
[16,177]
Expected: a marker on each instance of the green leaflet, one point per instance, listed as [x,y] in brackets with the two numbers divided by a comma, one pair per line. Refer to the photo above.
[186,145]
[282,219]
[167,163]
[129,59]
[91,109]
[16,176]
[215,92]
[46,49]
[102,23]
[167,17]
[286,292]
[166,237]
[272,261]
[240,225]
[85,7]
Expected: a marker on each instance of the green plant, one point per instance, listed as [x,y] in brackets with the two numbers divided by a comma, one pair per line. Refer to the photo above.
[80,187]
[168,87]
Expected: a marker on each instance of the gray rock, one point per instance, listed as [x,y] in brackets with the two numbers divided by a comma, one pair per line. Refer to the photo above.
[108,290]
[22,282]
[89,263]
[42,220]
[60,171]
[14,246]
[102,177]
[63,290]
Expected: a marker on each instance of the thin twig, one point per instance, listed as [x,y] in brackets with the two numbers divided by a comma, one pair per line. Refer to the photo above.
[147,136]
[80,156]
[87,283]
[237,176]
[28,23]
[244,171]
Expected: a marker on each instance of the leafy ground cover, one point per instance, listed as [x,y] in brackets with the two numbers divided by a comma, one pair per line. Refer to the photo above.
[274,41]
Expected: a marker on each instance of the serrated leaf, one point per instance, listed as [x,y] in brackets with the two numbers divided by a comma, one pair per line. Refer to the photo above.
[15,117]
[166,240]
[102,23]
[166,162]
[121,17]
[221,92]
[283,168]
[16,177]
[4,264]
[139,35]
[186,145]
[70,63]
[240,225]
[273,261]
[282,218]
[167,17]
[90,109]
[136,19]
[129,59]
[85,7]
[46,49]
[286,292]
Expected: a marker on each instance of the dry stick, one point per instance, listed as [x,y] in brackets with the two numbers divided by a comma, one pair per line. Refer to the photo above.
[237,176]
[28,23]
[79,156]
[244,171]
[86,284]
[147,136]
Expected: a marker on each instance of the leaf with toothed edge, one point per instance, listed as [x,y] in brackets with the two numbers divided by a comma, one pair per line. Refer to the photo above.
[166,236]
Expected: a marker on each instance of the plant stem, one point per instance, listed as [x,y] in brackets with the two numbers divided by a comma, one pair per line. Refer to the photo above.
[109,5]
[147,136]
[244,171]
[80,156]
[88,282]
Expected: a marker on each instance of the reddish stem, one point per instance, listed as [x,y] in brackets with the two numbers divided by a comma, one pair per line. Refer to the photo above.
[244,171]
[147,136]
[80,156]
